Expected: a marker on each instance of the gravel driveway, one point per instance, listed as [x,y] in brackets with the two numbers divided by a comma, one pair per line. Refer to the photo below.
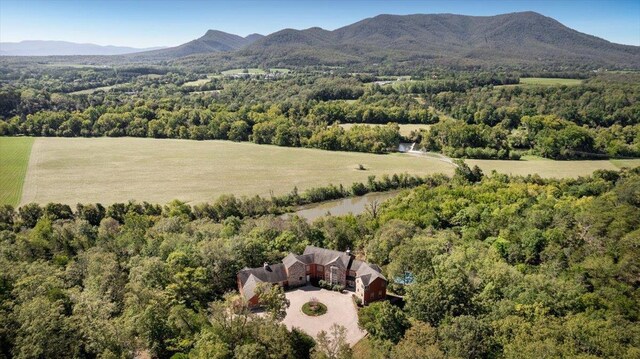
[340,309]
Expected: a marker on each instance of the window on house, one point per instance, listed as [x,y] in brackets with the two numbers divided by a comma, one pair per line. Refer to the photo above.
[334,275]
[380,293]
[300,278]
[308,268]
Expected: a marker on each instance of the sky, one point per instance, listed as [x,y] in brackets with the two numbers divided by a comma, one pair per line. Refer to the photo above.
[148,23]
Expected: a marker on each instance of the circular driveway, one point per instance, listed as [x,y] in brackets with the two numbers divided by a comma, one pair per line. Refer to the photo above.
[340,310]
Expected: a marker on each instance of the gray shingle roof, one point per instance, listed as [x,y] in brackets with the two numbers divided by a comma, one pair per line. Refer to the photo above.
[324,256]
[367,272]
[249,277]
[249,288]
[290,259]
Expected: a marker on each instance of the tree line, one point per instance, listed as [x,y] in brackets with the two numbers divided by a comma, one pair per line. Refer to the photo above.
[597,119]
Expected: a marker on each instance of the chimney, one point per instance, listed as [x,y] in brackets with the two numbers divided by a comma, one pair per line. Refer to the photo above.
[265,265]
[348,252]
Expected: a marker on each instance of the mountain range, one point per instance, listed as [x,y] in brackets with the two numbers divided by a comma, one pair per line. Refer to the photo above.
[62,48]
[515,38]
[212,41]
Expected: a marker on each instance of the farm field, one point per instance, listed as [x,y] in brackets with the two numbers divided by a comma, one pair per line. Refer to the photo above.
[253,71]
[544,81]
[548,168]
[198,82]
[14,158]
[107,170]
[549,81]
[95,89]
[405,129]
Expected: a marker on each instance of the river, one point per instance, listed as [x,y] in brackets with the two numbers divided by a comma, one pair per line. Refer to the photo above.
[341,207]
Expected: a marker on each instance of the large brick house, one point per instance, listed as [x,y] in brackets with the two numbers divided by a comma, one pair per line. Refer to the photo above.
[316,264]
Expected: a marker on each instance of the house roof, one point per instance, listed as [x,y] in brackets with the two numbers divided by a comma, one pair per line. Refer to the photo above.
[276,273]
[249,277]
[249,288]
[366,272]
[290,259]
[324,256]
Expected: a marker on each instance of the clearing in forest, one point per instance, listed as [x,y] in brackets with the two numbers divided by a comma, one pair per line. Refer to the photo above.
[405,129]
[545,81]
[107,170]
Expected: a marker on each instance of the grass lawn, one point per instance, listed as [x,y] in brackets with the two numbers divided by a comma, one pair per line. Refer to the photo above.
[549,81]
[107,170]
[545,81]
[630,163]
[363,350]
[254,71]
[405,129]
[14,160]
[197,82]
[543,166]
[90,91]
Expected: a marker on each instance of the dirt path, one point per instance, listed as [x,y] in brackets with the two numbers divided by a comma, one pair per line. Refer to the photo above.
[434,155]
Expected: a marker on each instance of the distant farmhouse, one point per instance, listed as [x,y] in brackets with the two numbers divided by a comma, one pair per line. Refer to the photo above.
[315,264]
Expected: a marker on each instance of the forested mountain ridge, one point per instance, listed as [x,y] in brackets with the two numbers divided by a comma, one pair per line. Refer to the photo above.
[526,37]
[211,42]
[514,40]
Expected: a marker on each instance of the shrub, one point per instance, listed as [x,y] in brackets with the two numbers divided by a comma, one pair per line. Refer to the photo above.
[314,308]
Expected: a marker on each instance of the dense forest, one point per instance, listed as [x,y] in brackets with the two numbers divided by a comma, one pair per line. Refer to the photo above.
[474,114]
[502,267]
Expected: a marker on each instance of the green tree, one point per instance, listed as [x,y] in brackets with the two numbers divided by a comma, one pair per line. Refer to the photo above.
[273,299]
[332,344]
[383,321]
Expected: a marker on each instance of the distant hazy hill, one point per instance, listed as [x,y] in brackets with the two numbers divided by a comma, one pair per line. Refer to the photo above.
[55,48]
[213,41]
[526,37]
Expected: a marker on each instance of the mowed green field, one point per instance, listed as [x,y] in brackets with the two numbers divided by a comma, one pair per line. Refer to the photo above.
[405,129]
[549,81]
[545,81]
[95,89]
[14,160]
[107,170]
[254,71]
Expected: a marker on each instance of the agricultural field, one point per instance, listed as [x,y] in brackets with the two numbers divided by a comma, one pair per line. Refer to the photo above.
[548,168]
[198,82]
[549,81]
[14,159]
[545,81]
[253,71]
[107,170]
[405,129]
[95,89]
